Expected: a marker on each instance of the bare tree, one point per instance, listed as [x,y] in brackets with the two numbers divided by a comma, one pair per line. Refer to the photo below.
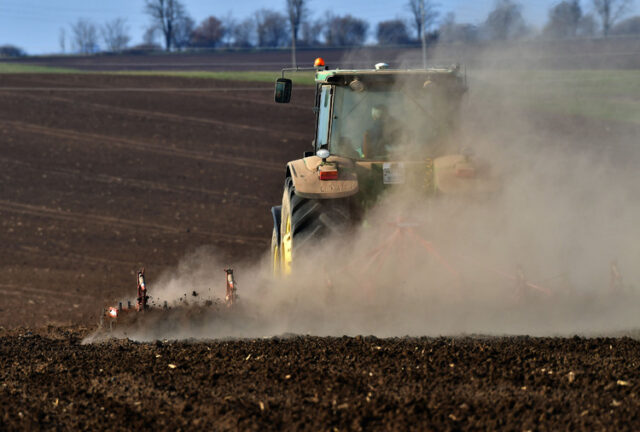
[296,10]
[392,32]
[209,33]
[228,24]
[62,40]
[166,15]
[244,33]
[629,26]
[505,21]
[269,29]
[11,51]
[609,12]
[564,19]
[345,31]
[183,32]
[150,36]
[84,36]
[424,14]
[115,35]
[451,31]
[587,27]
[311,32]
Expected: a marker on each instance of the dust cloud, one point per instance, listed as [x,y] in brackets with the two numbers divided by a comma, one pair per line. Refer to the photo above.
[535,256]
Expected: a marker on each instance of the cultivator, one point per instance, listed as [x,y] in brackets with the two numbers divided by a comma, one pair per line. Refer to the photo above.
[112,315]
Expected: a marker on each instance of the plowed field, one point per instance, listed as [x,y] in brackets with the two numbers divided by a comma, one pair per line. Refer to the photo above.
[50,381]
[117,172]
[129,172]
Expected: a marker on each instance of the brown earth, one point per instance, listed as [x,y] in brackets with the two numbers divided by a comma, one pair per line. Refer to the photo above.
[94,184]
[52,382]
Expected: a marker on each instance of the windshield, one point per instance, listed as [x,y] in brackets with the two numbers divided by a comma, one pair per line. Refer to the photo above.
[392,123]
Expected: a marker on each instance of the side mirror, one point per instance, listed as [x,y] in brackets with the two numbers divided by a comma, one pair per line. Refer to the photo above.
[283,90]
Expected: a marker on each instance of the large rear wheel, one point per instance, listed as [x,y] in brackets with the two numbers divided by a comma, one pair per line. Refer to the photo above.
[305,223]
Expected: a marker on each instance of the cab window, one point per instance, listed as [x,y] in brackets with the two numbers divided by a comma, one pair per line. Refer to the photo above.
[324,115]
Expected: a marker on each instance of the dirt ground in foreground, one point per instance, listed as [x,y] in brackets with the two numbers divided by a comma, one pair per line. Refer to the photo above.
[52,382]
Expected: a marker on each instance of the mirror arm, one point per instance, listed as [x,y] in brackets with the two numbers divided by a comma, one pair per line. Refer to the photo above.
[299,69]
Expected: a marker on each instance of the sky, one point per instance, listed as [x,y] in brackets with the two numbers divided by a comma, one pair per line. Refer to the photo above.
[34,25]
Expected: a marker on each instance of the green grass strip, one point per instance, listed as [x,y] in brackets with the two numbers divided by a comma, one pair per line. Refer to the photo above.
[302,78]
[21,68]
[598,94]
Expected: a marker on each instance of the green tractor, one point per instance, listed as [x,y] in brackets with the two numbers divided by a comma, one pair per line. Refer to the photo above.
[376,129]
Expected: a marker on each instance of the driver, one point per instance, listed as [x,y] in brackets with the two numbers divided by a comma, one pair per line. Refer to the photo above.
[384,133]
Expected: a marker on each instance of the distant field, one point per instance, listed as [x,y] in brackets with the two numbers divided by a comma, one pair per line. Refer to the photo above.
[304,78]
[19,68]
[601,94]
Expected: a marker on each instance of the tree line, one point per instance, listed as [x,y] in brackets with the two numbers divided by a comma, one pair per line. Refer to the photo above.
[295,26]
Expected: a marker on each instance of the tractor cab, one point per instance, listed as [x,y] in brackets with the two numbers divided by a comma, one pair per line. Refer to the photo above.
[383,114]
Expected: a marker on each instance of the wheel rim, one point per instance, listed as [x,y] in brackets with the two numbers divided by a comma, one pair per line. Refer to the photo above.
[286,248]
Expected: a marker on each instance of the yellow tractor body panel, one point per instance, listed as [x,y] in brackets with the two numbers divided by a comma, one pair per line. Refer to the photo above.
[306,180]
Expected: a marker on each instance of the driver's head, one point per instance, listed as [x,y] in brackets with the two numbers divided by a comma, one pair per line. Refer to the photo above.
[378,112]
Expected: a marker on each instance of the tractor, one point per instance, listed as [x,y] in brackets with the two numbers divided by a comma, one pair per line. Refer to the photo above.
[375,129]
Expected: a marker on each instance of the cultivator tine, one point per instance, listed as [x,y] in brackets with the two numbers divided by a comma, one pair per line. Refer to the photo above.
[143,298]
[232,290]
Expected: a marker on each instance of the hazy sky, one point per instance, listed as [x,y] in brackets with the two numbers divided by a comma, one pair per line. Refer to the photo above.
[35,25]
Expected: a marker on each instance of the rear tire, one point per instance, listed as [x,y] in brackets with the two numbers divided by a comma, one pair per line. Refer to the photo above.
[305,223]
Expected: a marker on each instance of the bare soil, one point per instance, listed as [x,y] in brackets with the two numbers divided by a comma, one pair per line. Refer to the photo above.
[94,184]
[51,382]
[97,183]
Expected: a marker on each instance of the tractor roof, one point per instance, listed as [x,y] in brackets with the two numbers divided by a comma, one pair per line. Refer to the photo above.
[338,76]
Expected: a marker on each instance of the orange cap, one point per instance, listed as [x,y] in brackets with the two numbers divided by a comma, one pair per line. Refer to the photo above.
[318,62]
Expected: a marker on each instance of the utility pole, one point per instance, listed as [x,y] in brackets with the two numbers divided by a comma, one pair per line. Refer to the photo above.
[423,35]
[296,10]
[62,39]
[294,63]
